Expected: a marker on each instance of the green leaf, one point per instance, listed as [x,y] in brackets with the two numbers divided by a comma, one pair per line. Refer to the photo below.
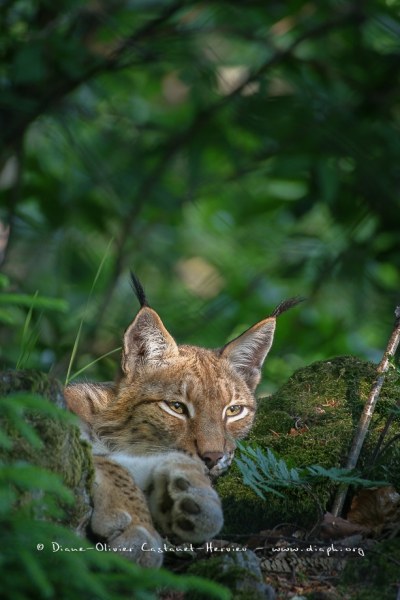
[8,497]
[29,477]
[345,476]
[29,433]
[4,281]
[93,362]
[5,441]
[29,64]
[68,377]
[34,571]
[8,316]
[38,302]
[21,401]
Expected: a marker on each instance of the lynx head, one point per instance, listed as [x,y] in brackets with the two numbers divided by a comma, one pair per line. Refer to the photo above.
[178,397]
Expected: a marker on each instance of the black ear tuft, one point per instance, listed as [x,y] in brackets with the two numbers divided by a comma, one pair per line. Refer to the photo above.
[286,304]
[139,291]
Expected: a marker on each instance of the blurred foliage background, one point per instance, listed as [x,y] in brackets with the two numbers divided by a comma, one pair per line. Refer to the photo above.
[232,153]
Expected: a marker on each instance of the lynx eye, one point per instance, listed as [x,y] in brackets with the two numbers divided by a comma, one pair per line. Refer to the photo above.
[233,411]
[178,407]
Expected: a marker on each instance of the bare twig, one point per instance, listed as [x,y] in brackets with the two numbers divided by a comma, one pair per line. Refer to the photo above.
[378,448]
[368,410]
[389,443]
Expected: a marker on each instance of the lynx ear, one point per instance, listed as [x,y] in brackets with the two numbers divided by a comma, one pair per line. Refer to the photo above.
[87,399]
[146,341]
[247,352]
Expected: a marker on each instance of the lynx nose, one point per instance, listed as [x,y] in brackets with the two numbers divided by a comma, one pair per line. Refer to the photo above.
[211,458]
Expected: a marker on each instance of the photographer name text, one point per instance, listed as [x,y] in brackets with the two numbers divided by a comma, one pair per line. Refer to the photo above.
[209,547]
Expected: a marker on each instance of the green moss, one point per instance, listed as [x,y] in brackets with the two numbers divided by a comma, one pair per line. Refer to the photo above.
[62,451]
[34,382]
[311,420]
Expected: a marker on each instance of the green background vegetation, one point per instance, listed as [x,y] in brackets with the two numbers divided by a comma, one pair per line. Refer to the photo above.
[231,154]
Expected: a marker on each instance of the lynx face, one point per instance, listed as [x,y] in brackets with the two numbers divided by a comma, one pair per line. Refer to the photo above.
[172,397]
[195,403]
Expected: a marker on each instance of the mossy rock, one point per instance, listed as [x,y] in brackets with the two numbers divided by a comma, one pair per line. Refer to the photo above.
[238,571]
[312,420]
[62,452]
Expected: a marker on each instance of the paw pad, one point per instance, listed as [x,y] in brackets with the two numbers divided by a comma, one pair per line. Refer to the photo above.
[182,502]
[182,484]
[190,506]
[166,502]
[185,524]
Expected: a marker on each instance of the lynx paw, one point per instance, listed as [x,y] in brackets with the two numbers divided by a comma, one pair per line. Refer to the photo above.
[109,525]
[139,543]
[182,502]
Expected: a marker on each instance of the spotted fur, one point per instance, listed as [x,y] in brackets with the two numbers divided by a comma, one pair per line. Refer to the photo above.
[168,425]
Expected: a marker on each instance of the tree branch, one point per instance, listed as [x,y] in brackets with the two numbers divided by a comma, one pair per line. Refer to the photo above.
[178,140]
[65,86]
[368,410]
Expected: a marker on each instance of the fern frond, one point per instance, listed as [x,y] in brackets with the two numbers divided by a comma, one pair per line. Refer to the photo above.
[264,472]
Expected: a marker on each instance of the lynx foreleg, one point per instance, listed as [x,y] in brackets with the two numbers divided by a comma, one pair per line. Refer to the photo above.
[121,516]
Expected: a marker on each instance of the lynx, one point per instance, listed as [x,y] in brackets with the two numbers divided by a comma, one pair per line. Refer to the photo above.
[164,430]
